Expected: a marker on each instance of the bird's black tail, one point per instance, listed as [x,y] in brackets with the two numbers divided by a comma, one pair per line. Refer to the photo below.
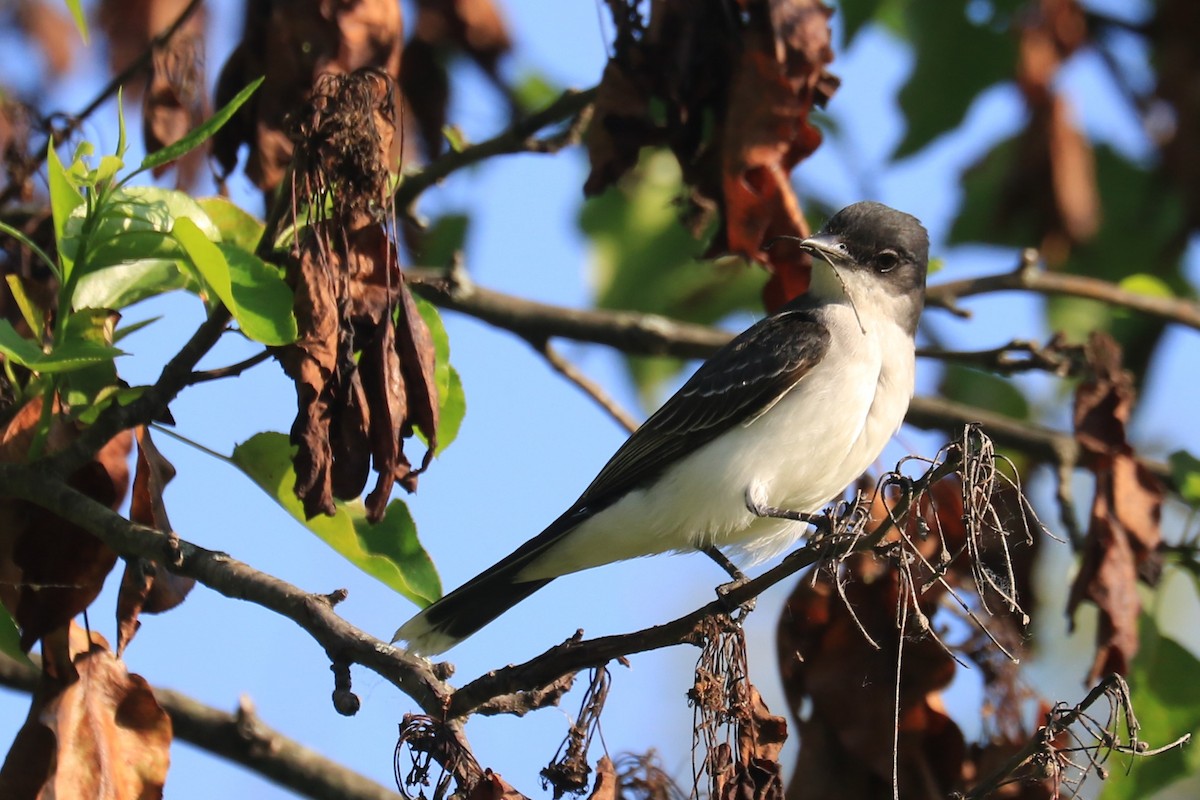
[488,595]
[467,609]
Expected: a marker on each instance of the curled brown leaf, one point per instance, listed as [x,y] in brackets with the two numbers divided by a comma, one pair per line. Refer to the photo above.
[1124,526]
[145,586]
[104,720]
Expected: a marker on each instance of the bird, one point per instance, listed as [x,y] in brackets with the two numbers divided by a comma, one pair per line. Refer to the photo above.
[772,427]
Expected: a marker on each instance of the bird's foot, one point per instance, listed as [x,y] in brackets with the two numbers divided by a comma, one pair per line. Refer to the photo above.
[726,589]
[759,509]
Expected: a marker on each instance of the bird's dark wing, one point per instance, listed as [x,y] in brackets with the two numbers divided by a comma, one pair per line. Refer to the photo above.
[737,382]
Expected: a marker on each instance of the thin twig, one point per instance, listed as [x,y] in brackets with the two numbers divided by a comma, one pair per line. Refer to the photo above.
[516,139]
[1029,277]
[230,371]
[592,389]
[243,738]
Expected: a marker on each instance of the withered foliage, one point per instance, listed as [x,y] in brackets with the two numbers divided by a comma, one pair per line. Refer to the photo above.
[146,587]
[293,44]
[174,95]
[1123,530]
[46,23]
[51,569]
[728,87]
[444,27]
[863,657]
[426,746]
[634,777]
[1052,180]
[89,717]
[568,771]
[738,738]
[364,361]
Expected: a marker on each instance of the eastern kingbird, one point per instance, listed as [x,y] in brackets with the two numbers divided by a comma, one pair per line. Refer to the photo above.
[785,416]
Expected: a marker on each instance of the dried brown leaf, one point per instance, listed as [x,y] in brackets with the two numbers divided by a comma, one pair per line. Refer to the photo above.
[1124,528]
[293,45]
[388,400]
[414,343]
[145,586]
[605,786]
[45,23]
[1175,30]
[827,662]
[492,787]
[58,568]
[176,102]
[425,85]
[105,722]
[767,132]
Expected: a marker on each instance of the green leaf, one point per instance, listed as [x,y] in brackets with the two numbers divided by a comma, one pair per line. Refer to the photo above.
[80,18]
[1148,285]
[122,138]
[64,199]
[534,91]
[134,223]
[264,300]
[452,409]
[34,317]
[452,401]
[10,638]
[109,166]
[236,225]
[984,390]
[65,357]
[1166,697]
[857,13]
[254,292]
[129,253]
[389,551]
[937,95]
[644,260]
[200,134]
[122,285]
[445,237]
[1185,474]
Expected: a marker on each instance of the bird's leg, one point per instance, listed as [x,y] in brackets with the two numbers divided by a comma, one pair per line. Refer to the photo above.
[760,509]
[724,563]
[739,579]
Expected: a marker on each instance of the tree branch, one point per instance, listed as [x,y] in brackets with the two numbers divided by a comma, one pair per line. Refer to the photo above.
[242,737]
[516,139]
[628,331]
[588,386]
[1029,277]
[343,643]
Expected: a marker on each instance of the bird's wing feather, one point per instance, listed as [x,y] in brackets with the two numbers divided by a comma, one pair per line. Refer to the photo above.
[742,379]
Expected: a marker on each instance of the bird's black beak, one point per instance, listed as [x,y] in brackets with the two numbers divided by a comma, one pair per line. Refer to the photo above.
[826,246]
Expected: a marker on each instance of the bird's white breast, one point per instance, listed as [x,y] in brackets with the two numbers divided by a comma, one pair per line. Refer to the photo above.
[847,407]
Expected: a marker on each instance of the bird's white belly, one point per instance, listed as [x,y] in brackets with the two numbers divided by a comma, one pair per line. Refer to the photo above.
[849,405]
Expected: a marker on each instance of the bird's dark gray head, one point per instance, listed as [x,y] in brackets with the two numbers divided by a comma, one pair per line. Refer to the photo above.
[892,245]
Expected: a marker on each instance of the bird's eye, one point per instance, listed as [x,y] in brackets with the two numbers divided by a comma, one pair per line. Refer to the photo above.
[887,260]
